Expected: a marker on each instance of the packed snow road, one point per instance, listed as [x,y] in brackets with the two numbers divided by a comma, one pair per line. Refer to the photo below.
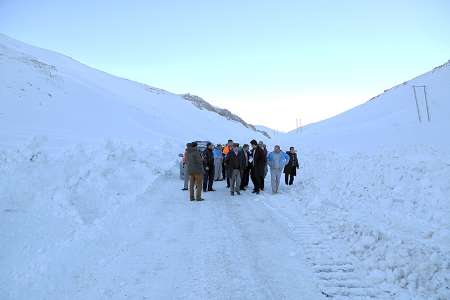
[222,248]
[166,247]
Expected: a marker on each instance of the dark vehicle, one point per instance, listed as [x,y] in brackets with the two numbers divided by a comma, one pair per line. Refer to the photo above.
[201,146]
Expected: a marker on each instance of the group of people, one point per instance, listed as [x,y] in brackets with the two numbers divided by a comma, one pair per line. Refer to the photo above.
[237,165]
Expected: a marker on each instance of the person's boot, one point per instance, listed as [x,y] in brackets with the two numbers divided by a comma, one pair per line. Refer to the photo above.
[232,193]
[201,199]
[192,199]
[184,189]
[238,192]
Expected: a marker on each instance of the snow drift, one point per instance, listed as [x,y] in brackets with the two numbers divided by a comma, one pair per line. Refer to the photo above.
[391,209]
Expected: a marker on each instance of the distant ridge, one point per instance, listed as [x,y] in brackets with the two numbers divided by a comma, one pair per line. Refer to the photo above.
[203,104]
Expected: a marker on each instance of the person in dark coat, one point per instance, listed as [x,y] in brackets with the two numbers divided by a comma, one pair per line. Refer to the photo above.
[248,166]
[258,168]
[208,164]
[290,170]
[266,169]
[236,163]
[195,171]
[224,168]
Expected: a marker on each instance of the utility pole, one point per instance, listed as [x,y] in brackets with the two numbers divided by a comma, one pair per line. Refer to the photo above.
[298,124]
[424,89]
[417,103]
[426,102]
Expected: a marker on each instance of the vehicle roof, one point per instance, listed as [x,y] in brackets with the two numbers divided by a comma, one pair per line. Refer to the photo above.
[203,142]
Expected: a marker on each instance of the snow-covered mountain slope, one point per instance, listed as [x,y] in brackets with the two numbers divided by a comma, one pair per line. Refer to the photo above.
[388,120]
[47,94]
[377,180]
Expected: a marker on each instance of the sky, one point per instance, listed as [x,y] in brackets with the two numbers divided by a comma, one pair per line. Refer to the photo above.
[271,62]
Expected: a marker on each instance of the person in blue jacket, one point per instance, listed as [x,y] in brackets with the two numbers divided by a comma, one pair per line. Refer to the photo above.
[218,161]
[276,160]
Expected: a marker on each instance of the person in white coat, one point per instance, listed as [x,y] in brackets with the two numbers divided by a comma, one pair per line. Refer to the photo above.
[276,160]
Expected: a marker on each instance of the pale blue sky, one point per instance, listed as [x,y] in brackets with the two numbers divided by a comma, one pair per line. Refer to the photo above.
[269,61]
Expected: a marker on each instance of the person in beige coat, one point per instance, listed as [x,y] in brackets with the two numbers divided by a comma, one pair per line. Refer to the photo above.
[195,171]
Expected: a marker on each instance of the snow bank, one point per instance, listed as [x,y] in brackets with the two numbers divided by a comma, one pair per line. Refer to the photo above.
[48,196]
[393,210]
[89,180]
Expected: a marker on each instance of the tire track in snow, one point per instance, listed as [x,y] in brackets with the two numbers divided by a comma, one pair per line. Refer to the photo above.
[338,277]
[246,252]
[270,246]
